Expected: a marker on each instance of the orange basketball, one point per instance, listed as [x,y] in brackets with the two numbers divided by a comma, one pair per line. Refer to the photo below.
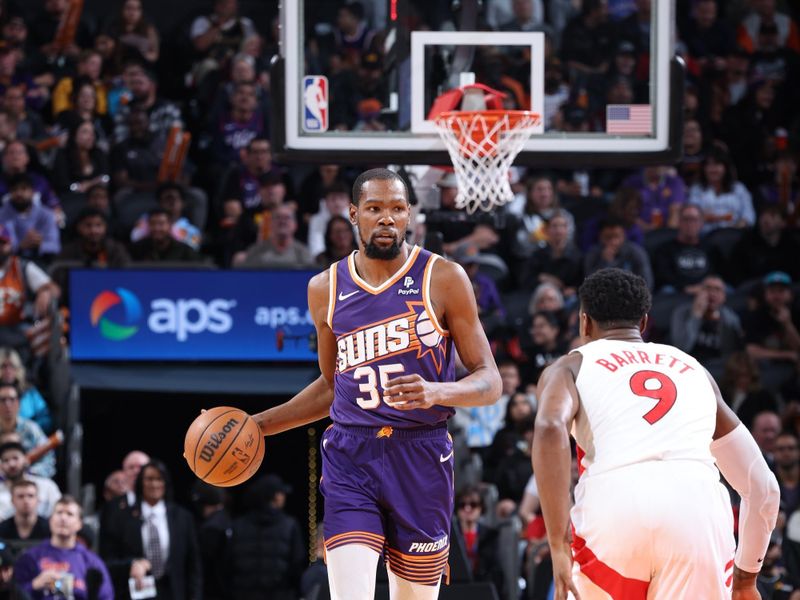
[224,446]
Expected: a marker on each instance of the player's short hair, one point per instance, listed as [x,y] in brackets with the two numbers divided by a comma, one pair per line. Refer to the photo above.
[615,298]
[372,175]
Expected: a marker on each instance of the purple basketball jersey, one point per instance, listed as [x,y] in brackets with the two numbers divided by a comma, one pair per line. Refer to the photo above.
[384,332]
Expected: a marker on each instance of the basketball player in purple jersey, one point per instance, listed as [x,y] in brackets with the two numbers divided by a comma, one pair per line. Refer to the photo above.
[388,320]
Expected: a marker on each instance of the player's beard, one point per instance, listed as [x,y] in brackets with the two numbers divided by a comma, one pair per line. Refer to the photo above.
[372,250]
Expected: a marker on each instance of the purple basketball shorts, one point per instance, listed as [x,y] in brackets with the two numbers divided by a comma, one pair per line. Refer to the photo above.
[391,490]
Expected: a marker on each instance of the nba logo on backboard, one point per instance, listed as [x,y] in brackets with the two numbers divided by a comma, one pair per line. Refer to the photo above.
[315,103]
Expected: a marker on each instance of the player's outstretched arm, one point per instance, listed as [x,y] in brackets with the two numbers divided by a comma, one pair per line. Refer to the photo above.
[454,303]
[552,458]
[741,462]
[314,401]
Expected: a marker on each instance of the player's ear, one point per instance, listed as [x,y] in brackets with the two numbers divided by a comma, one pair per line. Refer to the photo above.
[353,213]
[584,325]
[643,323]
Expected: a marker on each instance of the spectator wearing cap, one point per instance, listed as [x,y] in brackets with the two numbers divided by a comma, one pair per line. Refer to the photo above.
[663,193]
[171,197]
[144,94]
[16,161]
[115,485]
[15,468]
[481,231]
[9,588]
[349,87]
[767,247]
[267,554]
[35,227]
[159,244]
[771,331]
[92,247]
[22,282]
[725,202]
[765,13]
[774,61]
[26,524]
[61,566]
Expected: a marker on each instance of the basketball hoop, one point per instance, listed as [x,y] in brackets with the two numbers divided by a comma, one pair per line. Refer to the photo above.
[482,145]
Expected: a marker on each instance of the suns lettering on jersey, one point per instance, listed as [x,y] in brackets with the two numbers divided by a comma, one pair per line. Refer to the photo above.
[387,338]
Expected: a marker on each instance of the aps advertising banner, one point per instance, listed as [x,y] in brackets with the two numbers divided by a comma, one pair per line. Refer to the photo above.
[190,315]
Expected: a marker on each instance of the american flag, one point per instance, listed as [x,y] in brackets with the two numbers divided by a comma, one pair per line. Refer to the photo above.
[629,118]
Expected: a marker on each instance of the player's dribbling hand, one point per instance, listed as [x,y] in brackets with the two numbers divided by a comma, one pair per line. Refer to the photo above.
[409,392]
[562,577]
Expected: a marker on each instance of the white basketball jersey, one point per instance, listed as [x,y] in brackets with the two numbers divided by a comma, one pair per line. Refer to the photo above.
[642,402]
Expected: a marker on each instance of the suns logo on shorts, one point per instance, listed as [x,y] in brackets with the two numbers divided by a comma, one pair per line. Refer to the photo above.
[406,332]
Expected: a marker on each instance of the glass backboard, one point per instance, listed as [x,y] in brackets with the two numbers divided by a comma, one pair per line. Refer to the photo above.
[355,82]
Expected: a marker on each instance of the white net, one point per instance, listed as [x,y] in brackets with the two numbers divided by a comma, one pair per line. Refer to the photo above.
[482,146]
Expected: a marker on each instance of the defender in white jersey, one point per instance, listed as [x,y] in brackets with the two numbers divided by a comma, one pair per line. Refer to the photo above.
[651,519]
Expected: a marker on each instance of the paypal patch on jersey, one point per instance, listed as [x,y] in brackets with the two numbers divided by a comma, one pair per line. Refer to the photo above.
[315,104]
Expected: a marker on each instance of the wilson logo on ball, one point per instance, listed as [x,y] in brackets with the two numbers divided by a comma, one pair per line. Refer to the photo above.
[213,443]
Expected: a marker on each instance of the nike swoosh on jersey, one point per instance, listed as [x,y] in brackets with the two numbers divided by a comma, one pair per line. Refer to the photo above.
[346,296]
[445,458]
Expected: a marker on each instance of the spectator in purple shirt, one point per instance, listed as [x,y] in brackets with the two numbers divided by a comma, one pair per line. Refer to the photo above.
[663,192]
[53,568]
[34,226]
[236,129]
